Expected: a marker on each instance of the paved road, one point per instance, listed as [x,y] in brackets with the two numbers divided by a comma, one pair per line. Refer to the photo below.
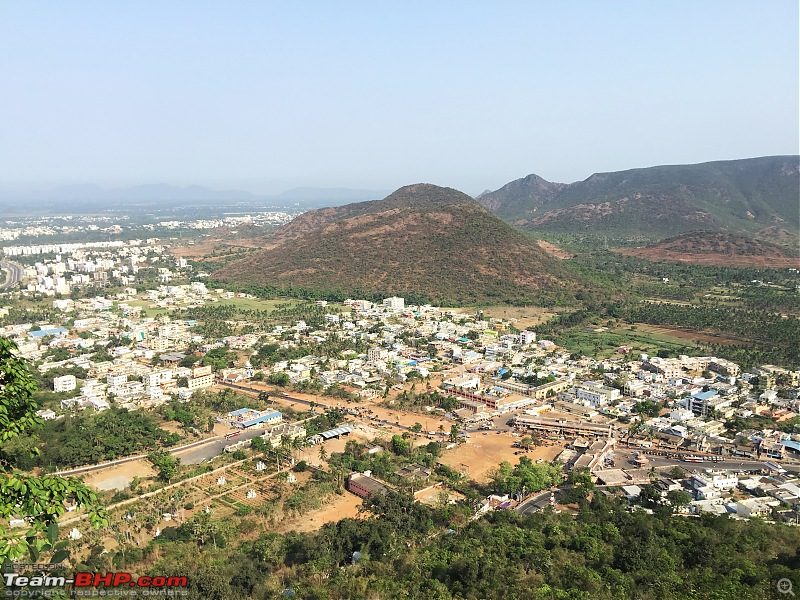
[535,504]
[208,451]
[13,274]
[126,459]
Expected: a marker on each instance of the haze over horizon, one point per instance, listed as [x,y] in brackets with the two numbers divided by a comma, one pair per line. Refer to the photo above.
[266,97]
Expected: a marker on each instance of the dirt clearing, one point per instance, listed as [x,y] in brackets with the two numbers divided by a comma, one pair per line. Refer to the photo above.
[483,453]
[695,336]
[119,477]
[338,508]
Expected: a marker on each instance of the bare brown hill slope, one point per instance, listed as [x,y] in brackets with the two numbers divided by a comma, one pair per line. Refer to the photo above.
[714,248]
[422,240]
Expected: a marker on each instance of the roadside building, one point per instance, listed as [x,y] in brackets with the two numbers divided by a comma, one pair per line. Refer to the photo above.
[364,486]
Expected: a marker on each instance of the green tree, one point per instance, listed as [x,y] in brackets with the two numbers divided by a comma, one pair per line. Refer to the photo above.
[279,379]
[400,446]
[678,498]
[454,433]
[37,500]
[581,482]
[166,464]
[677,472]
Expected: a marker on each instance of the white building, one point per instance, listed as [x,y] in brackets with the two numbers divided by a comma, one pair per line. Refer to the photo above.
[466,383]
[755,507]
[203,381]
[99,404]
[635,387]
[394,303]
[704,404]
[65,383]
[596,395]
[681,414]
[376,354]
[117,379]
[156,378]
[719,482]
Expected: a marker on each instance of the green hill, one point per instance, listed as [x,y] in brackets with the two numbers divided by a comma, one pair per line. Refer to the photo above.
[422,240]
[758,195]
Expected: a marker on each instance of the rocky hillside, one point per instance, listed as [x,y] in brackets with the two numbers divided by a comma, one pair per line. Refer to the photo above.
[751,195]
[426,240]
[715,248]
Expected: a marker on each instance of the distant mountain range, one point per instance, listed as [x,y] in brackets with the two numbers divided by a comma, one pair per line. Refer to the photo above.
[755,196]
[328,196]
[88,196]
[423,239]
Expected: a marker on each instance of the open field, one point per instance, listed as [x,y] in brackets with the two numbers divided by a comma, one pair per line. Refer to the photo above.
[261,304]
[648,339]
[482,454]
[341,507]
[119,477]
[675,334]
[525,316]
[204,247]
[255,303]
[149,309]
[605,343]
[271,304]
[432,496]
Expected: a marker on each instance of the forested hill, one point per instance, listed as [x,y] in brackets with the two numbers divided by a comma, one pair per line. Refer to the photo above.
[422,241]
[406,550]
[757,195]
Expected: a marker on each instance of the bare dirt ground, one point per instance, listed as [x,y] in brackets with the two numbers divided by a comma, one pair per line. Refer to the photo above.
[554,250]
[429,421]
[483,453]
[695,336]
[524,316]
[205,247]
[432,496]
[340,507]
[119,477]
[711,258]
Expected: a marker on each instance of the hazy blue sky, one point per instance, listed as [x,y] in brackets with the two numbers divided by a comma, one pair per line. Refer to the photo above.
[266,96]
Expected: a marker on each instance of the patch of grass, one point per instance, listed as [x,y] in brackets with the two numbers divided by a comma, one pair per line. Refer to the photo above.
[603,344]
[144,305]
[255,303]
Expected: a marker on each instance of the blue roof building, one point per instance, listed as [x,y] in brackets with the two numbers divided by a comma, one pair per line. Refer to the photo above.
[45,332]
[273,417]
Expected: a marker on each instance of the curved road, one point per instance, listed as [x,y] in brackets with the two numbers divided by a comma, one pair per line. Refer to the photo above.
[14,273]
